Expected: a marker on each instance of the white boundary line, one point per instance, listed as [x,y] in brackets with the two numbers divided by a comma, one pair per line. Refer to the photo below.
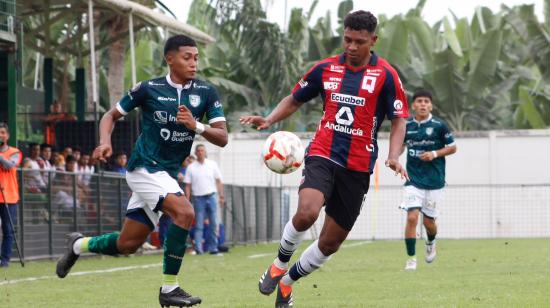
[84,273]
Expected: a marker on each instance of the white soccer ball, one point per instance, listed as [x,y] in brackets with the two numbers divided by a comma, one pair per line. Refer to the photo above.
[283,152]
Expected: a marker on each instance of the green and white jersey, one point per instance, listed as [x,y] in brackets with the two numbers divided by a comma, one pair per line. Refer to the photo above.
[163,144]
[429,135]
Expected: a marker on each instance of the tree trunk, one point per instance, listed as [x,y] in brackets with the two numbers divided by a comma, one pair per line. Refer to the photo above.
[116,53]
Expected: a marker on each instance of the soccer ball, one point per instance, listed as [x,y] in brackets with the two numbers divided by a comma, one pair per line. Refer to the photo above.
[283,152]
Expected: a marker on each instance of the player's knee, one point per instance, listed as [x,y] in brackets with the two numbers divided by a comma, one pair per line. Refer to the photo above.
[128,247]
[184,215]
[412,220]
[328,248]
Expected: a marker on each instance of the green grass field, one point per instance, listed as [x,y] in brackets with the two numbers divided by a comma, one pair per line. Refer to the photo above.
[467,273]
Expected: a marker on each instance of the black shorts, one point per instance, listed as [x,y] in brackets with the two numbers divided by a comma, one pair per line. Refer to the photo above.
[344,189]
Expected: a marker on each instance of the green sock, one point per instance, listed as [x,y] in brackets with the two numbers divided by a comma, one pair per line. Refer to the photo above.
[431,238]
[411,246]
[174,248]
[103,244]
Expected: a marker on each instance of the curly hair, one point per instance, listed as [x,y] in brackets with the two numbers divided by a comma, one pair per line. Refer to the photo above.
[361,20]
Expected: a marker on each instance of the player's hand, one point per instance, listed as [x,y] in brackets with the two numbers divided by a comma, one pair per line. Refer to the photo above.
[396,166]
[185,117]
[427,156]
[102,152]
[221,201]
[259,122]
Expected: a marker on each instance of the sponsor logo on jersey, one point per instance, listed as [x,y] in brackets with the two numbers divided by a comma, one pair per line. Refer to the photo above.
[330,85]
[337,68]
[217,104]
[199,86]
[166,99]
[336,79]
[347,99]
[302,83]
[161,117]
[412,143]
[165,134]
[152,83]
[194,100]
[344,129]
[398,106]
[175,136]
[429,130]
[344,116]
[368,83]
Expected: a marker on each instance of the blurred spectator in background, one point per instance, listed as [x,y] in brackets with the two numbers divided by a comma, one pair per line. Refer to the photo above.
[45,157]
[58,162]
[120,163]
[56,115]
[77,152]
[165,220]
[33,177]
[203,179]
[63,195]
[85,169]
[10,158]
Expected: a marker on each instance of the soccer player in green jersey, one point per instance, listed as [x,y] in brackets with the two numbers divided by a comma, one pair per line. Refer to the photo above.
[172,108]
[428,141]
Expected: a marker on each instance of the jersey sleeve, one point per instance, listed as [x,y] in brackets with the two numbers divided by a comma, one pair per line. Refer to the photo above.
[446,135]
[214,111]
[134,98]
[393,96]
[309,86]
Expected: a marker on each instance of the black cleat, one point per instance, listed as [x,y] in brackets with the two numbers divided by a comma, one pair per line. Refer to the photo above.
[67,261]
[284,296]
[179,298]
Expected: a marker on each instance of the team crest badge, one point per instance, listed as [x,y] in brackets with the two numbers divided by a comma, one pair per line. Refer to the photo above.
[429,130]
[194,100]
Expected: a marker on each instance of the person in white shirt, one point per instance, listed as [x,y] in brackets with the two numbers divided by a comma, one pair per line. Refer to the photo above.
[44,162]
[203,180]
[33,178]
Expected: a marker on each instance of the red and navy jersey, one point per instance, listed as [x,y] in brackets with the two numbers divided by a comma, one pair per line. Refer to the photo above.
[355,102]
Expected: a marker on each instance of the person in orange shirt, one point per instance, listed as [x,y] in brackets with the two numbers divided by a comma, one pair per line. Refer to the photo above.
[10,158]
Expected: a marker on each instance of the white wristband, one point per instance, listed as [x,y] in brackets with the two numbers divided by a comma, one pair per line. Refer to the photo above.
[434,154]
[200,128]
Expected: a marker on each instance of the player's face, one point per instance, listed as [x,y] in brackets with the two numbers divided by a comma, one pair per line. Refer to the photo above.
[422,107]
[357,45]
[184,62]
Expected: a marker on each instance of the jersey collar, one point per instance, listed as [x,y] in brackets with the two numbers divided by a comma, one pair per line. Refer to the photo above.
[373,61]
[423,121]
[177,85]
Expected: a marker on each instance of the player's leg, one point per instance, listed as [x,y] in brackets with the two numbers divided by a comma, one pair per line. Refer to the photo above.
[410,237]
[343,208]
[8,231]
[317,178]
[430,214]
[135,230]
[199,205]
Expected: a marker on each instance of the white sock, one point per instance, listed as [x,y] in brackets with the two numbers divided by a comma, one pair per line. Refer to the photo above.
[279,264]
[287,280]
[311,259]
[76,246]
[169,288]
[290,241]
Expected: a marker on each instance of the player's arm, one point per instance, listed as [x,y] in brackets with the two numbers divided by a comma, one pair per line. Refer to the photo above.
[12,162]
[104,150]
[283,110]
[215,133]
[188,190]
[221,196]
[397,136]
[447,150]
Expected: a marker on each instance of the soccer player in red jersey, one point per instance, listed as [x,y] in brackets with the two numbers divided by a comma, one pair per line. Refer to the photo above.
[359,89]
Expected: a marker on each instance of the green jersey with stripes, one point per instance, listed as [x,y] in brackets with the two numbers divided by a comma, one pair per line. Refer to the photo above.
[428,135]
[163,144]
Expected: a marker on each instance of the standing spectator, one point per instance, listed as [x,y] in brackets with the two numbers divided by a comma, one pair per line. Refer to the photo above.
[165,220]
[56,115]
[85,169]
[10,158]
[33,177]
[203,179]
[45,157]
[120,163]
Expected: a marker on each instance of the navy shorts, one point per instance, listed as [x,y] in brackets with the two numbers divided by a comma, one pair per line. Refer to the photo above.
[344,189]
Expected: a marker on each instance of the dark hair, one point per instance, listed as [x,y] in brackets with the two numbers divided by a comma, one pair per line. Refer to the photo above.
[422,93]
[4,125]
[45,146]
[175,42]
[77,149]
[70,159]
[32,144]
[361,20]
[118,154]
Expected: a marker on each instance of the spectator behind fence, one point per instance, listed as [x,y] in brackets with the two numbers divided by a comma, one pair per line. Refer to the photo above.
[77,153]
[56,115]
[59,162]
[45,161]
[120,163]
[165,220]
[203,179]
[85,170]
[10,158]
[33,176]
[63,194]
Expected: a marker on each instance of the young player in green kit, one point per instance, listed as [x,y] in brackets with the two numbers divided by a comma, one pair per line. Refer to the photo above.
[172,107]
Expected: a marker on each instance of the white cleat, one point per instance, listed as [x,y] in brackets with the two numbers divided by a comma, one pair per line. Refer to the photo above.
[411,264]
[430,252]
